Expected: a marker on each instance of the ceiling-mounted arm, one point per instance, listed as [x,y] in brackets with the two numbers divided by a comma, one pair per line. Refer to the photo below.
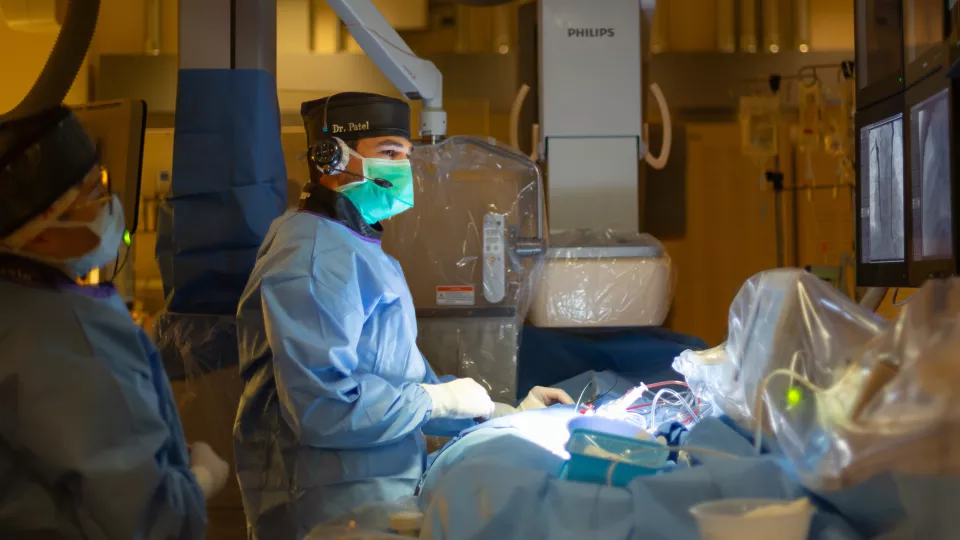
[64,62]
[415,77]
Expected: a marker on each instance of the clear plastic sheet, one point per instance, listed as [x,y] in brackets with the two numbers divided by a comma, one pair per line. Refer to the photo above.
[468,191]
[811,105]
[347,533]
[370,522]
[780,319]
[712,378]
[603,279]
[896,409]
[200,356]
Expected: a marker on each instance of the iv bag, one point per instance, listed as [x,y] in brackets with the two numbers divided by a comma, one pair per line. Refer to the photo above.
[759,125]
[836,128]
[810,100]
[848,100]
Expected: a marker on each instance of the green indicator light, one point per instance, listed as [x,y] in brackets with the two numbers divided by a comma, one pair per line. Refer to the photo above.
[794,397]
[126,237]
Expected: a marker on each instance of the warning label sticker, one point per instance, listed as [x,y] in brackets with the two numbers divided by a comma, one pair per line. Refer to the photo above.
[455,295]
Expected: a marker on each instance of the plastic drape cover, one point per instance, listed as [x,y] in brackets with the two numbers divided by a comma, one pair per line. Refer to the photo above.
[897,409]
[603,279]
[200,358]
[371,522]
[471,251]
[229,184]
[780,319]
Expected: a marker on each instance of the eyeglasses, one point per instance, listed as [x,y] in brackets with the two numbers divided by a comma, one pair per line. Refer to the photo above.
[95,191]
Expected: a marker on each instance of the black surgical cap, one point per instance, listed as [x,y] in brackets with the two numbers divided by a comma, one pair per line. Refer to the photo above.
[42,156]
[356,115]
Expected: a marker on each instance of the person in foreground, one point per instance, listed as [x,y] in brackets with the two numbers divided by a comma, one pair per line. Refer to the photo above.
[337,394]
[90,442]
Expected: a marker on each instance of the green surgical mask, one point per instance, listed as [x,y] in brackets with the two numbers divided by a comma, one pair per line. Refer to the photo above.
[376,202]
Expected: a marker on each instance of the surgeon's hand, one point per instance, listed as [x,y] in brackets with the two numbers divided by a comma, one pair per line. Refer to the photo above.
[541,397]
[211,471]
[459,399]
[538,398]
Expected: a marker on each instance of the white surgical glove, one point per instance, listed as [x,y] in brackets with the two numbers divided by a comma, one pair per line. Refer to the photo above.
[459,399]
[538,398]
[541,397]
[211,471]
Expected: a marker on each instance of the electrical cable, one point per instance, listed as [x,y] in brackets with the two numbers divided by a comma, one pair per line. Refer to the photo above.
[614,385]
[901,303]
[118,265]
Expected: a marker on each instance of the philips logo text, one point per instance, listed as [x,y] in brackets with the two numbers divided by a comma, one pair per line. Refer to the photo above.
[590,32]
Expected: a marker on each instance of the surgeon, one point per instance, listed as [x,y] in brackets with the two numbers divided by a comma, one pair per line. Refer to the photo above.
[90,442]
[337,394]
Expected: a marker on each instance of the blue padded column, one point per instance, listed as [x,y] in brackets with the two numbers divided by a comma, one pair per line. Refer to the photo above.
[229,184]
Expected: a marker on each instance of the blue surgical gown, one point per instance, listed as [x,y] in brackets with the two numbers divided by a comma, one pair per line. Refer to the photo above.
[332,410]
[90,442]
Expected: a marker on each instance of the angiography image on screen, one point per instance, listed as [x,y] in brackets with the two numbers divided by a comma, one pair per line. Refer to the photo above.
[881,172]
[930,164]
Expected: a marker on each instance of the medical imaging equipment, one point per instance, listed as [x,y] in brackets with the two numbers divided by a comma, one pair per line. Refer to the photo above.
[906,176]
[926,26]
[592,156]
[417,78]
[879,50]
[931,184]
[882,235]
[472,257]
[473,261]
[780,319]
[117,129]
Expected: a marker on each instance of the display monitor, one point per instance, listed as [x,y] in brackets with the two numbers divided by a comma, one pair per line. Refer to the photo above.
[882,172]
[879,50]
[930,158]
[931,181]
[881,227]
[953,20]
[117,128]
[926,28]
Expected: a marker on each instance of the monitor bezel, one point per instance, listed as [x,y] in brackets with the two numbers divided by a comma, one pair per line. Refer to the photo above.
[931,61]
[921,270]
[877,91]
[127,122]
[886,274]
[953,41]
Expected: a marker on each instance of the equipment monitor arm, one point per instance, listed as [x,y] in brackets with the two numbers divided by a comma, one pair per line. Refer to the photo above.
[415,77]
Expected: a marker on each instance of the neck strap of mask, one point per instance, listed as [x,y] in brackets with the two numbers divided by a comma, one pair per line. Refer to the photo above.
[25,271]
